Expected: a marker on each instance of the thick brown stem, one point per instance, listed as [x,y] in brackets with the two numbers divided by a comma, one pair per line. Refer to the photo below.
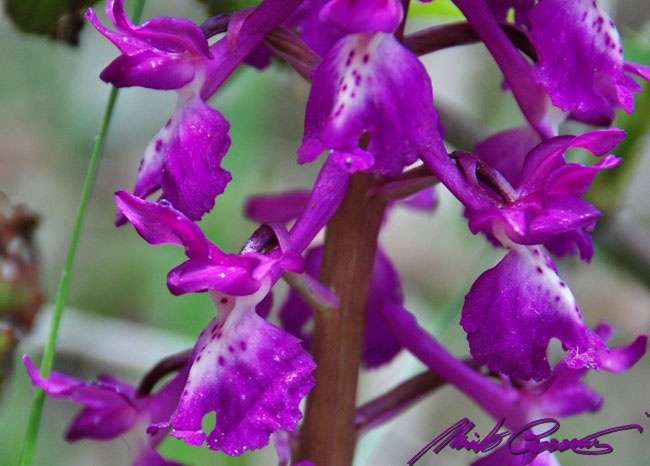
[328,434]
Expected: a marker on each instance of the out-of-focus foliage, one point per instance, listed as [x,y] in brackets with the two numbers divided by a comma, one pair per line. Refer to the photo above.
[20,293]
[441,8]
[60,19]
[609,186]
[214,7]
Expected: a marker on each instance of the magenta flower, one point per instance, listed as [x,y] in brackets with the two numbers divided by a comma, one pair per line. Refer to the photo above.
[183,159]
[564,394]
[546,202]
[360,90]
[580,67]
[355,16]
[514,309]
[318,33]
[113,409]
[581,63]
[321,23]
[163,53]
[207,268]
[250,372]
[370,108]
[561,394]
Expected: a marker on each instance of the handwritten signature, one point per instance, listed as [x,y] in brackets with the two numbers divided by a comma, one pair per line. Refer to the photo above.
[530,438]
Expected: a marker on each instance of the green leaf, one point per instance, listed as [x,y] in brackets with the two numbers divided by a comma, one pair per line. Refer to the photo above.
[214,7]
[60,19]
[437,8]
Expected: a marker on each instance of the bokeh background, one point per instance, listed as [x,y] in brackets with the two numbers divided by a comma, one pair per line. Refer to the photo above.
[121,318]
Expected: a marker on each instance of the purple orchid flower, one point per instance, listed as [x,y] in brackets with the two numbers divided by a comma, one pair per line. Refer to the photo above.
[207,268]
[318,33]
[183,159]
[250,372]
[581,63]
[580,67]
[360,89]
[514,309]
[321,23]
[561,394]
[546,203]
[564,394]
[355,16]
[113,409]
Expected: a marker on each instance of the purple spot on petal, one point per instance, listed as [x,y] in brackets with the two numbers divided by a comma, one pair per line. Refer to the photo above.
[539,270]
[198,358]
[563,285]
[353,95]
[231,349]
[242,345]
[357,79]
[168,124]
[345,87]
[557,298]
[224,300]
[536,252]
[159,144]
[221,361]
[366,57]
[350,56]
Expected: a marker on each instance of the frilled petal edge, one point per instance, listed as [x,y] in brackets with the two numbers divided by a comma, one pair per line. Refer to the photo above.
[250,372]
[514,309]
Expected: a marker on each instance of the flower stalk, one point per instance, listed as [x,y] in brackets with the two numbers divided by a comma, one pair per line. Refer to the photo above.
[33,423]
[350,247]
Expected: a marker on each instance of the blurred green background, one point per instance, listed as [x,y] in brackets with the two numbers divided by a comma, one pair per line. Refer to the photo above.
[122,319]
